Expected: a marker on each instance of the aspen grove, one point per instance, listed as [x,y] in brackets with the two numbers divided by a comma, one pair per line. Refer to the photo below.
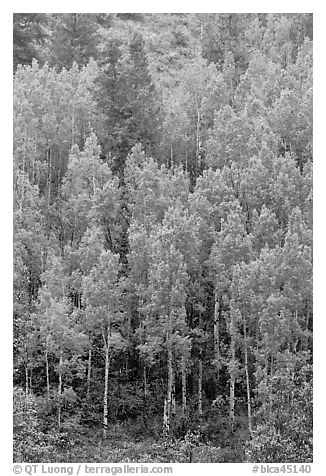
[162,237]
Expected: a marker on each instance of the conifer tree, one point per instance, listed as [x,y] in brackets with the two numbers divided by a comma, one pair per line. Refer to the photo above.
[74,39]
[126,96]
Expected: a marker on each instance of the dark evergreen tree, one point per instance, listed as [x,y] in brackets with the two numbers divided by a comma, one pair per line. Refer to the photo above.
[127,97]
[29,35]
[74,39]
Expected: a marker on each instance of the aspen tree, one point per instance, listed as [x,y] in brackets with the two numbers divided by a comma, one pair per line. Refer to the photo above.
[102,295]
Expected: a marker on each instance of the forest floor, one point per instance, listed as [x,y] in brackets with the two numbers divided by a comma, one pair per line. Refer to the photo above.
[147,451]
[123,449]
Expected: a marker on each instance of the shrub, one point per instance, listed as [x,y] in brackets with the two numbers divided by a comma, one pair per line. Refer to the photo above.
[284,433]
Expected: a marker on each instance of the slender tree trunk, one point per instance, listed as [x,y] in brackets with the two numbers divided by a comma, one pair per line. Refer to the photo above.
[217,336]
[25,152]
[49,174]
[170,387]
[184,385]
[26,379]
[198,142]
[89,373]
[200,386]
[24,167]
[106,383]
[33,164]
[93,180]
[247,374]
[306,343]
[232,388]
[37,173]
[232,371]
[166,428]
[73,141]
[145,382]
[60,391]
[47,370]
[168,406]
[31,380]
[145,394]
[173,409]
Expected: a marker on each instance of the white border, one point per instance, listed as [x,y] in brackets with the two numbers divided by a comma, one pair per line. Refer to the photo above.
[319,465]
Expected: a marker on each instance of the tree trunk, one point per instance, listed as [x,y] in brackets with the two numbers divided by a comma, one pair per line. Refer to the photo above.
[106,383]
[168,406]
[89,372]
[73,141]
[198,142]
[47,370]
[166,427]
[173,410]
[93,181]
[217,336]
[145,395]
[26,379]
[232,381]
[60,391]
[25,152]
[247,374]
[170,387]
[306,344]
[145,382]
[33,165]
[49,174]
[200,386]
[184,385]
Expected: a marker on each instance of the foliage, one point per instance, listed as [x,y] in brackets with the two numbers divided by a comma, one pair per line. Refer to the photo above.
[74,39]
[31,443]
[29,34]
[284,435]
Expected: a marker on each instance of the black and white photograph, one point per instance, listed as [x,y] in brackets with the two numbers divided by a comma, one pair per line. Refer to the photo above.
[162,241]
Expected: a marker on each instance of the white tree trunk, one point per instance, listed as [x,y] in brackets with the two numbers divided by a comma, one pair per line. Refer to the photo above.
[145,394]
[106,383]
[217,334]
[60,391]
[200,387]
[89,373]
[47,370]
[247,374]
[169,399]
[184,385]
[173,410]
[49,175]
[232,381]
[198,142]
[26,379]
[166,427]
